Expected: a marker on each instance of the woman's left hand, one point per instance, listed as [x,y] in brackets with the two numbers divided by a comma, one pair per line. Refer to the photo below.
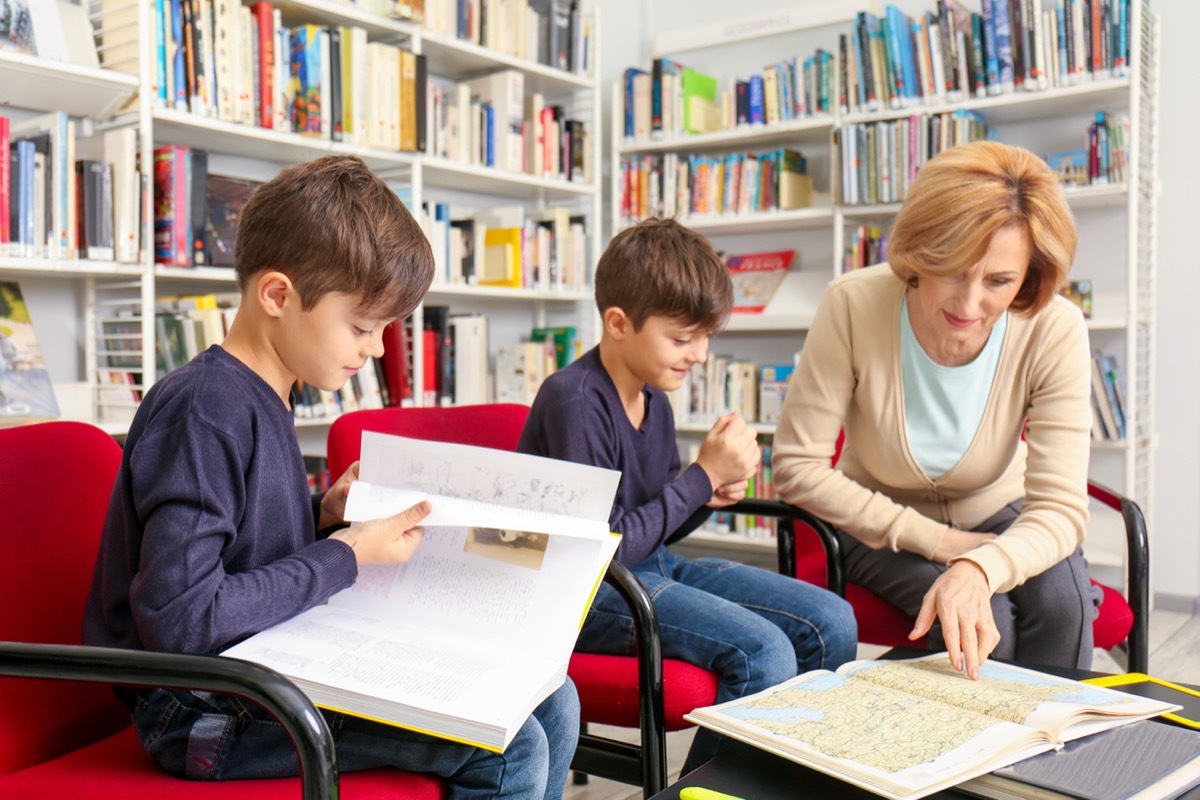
[961,599]
[333,504]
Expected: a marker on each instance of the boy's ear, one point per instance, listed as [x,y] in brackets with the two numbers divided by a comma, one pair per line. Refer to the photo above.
[274,292]
[616,323]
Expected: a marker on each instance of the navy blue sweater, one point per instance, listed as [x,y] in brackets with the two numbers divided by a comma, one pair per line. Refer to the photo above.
[211,532]
[578,416]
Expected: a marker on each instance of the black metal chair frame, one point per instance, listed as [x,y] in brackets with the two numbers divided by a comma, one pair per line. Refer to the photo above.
[298,716]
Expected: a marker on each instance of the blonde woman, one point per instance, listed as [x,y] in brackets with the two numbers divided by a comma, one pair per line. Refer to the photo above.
[934,365]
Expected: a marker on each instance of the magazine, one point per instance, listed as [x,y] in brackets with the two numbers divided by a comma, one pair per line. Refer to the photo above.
[26,393]
[755,278]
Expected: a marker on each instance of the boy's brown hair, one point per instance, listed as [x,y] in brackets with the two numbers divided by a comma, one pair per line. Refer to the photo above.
[331,225]
[659,267]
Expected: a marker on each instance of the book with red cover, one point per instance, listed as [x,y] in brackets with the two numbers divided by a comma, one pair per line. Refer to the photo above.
[395,362]
[264,14]
[755,278]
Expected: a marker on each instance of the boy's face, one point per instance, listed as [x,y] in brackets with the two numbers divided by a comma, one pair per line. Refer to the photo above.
[662,352]
[330,342]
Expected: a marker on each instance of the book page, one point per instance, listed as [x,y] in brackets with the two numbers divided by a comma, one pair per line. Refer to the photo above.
[400,661]
[529,593]
[1005,691]
[515,480]
[374,501]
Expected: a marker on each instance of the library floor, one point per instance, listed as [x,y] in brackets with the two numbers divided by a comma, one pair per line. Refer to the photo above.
[1174,655]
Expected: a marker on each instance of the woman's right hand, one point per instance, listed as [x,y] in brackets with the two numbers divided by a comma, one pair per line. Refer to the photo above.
[956,543]
[391,540]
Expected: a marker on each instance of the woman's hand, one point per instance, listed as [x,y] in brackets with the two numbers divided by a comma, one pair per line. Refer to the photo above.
[730,493]
[391,540]
[961,599]
[333,504]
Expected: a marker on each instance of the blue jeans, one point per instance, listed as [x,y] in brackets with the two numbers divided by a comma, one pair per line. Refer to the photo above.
[753,627]
[203,736]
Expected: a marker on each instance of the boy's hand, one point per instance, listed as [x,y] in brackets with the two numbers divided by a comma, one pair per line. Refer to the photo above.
[729,494]
[391,540]
[730,451]
[333,504]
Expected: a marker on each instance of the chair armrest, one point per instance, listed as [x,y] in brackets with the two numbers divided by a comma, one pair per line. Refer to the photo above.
[1137,577]
[788,515]
[294,711]
[651,710]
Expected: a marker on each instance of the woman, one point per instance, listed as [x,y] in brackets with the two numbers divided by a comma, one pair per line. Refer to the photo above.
[933,365]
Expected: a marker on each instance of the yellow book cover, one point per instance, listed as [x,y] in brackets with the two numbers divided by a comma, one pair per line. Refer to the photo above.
[502,258]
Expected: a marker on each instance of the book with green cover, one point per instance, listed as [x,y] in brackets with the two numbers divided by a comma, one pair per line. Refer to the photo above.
[700,110]
[565,342]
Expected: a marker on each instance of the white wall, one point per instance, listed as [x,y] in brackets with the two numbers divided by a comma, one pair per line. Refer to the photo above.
[627,28]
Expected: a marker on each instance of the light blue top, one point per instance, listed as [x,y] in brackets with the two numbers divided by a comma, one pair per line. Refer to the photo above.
[943,406]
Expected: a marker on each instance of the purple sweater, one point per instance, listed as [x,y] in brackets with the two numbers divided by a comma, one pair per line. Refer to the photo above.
[578,416]
[211,530]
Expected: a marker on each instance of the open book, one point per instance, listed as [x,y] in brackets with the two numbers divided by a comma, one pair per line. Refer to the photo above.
[465,639]
[906,729]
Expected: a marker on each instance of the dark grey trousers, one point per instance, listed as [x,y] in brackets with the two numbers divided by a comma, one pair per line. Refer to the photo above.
[1046,620]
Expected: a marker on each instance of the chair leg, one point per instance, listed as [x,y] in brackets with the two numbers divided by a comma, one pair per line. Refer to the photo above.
[580,778]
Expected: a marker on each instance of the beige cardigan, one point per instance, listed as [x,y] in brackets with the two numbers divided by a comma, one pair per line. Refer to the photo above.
[849,377]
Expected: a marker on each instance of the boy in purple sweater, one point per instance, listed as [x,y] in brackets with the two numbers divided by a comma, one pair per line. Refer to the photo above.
[211,533]
[661,291]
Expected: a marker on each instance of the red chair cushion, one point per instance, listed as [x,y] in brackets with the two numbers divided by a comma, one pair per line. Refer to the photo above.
[1115,621]
[608,689]
[118,767]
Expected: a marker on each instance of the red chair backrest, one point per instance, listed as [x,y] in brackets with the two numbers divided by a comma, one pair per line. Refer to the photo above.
[57,479]
[494,425]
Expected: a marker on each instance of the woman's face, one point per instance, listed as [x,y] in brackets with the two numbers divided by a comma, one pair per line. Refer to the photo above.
[953,316]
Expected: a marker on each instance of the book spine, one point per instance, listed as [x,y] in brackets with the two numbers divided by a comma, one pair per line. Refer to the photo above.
[265,18]
[5,187]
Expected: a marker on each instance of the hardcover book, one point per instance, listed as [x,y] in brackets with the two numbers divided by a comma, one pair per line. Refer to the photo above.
[1143,761]
[907,729]
[25,390]
[755,278]
[466,638]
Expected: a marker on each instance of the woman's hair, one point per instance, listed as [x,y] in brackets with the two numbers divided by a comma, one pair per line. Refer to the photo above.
[963,196]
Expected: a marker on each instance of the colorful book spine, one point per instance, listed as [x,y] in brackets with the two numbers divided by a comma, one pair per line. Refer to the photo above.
[5,187]
[265,23]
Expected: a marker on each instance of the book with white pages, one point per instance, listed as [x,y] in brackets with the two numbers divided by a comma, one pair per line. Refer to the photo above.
[469,636]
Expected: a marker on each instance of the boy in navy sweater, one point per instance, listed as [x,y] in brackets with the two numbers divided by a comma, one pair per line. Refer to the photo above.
[211,533]
[661,291]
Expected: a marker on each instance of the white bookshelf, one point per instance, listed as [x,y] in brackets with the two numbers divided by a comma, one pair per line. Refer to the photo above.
[102,98]
[1117,222]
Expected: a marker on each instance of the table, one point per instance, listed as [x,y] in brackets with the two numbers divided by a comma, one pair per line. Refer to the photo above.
[747,772]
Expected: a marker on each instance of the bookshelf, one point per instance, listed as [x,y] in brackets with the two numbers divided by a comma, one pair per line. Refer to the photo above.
[85,292]
[1117,221]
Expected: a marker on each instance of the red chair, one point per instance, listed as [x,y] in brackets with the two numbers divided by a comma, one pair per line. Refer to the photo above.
[1123,623]
[645,692]
[62,731]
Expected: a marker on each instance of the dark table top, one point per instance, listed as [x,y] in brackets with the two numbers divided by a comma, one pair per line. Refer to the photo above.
[746,772]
